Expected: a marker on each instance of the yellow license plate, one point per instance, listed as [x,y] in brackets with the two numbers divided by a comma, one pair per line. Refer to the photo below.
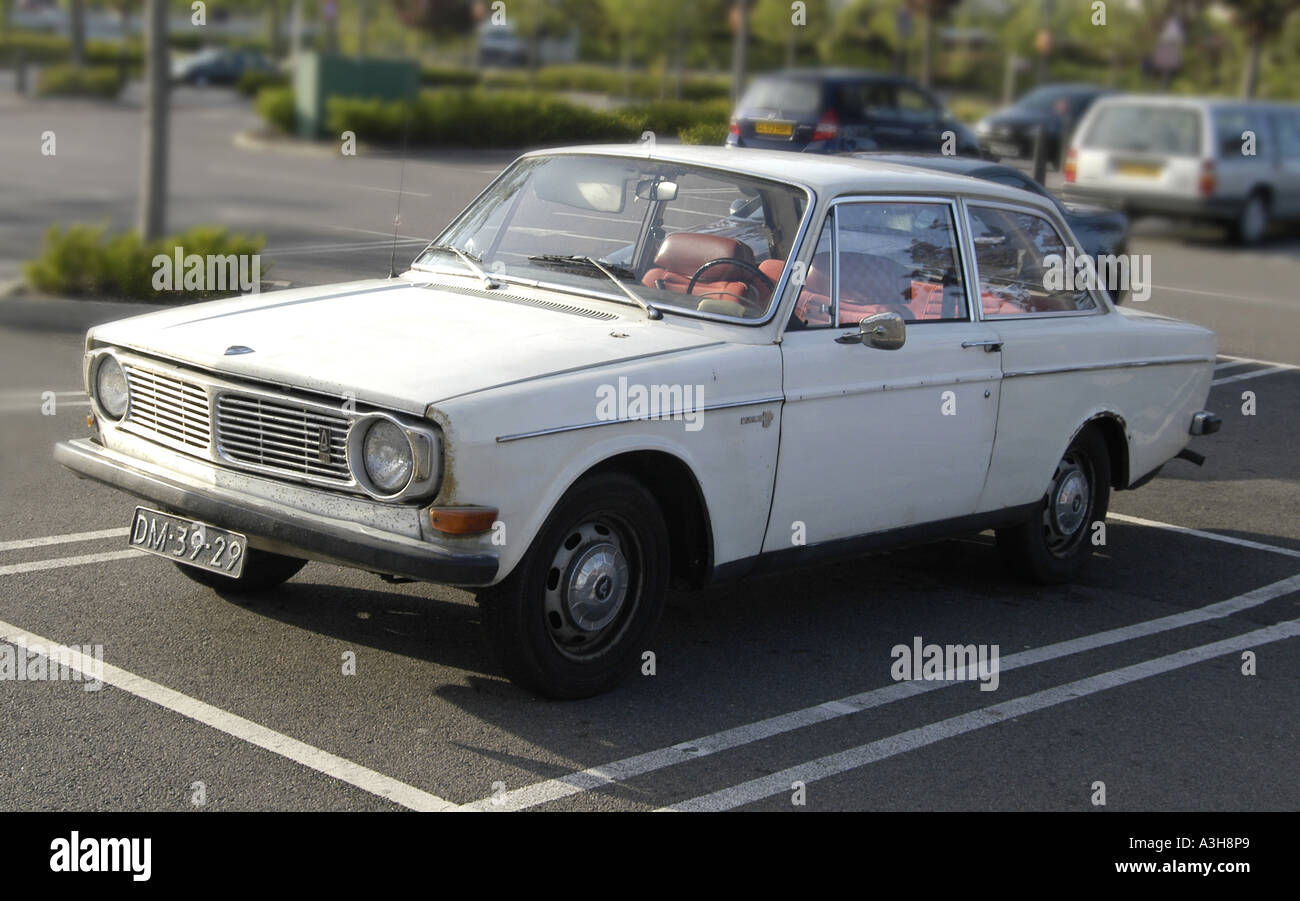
[1141,170]
[775,129]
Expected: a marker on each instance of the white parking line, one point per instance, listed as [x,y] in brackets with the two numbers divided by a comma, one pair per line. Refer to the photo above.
[911,740]
[309,756]
[1259,362]
[1232,364]
[1254,374]
[651,761]
[14,569]
[1213,536]
[23,543]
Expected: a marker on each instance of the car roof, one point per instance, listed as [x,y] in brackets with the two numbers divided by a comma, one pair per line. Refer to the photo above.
[1193,102]
[827,175]
[961,165]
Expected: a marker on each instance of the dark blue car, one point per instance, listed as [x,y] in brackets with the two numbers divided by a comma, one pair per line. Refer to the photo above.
[844,110]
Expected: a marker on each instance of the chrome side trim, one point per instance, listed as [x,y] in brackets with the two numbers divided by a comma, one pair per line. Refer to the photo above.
[1093,367]
[502,439]
[901,385]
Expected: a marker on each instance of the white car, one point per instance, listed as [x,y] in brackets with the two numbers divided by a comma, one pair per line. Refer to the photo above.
[872,360]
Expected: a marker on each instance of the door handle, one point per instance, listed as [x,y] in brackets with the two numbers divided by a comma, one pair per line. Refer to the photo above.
[989,346]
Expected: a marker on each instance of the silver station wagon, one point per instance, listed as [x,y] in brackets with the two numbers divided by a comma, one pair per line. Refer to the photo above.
[625,368]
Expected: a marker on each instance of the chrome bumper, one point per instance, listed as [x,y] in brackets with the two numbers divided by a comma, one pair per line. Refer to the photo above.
[292,532]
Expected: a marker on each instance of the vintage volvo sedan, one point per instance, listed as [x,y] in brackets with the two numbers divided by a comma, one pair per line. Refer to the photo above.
[625,368]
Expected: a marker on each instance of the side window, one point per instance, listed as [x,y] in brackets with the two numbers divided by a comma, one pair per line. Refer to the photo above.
[1287,127]
[893,258]
[1230,125]
[915,106]
[813,308]
[1022,261]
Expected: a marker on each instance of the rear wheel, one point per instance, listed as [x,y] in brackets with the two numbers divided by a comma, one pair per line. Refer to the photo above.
[1055,544]
[262,572]
[1252,221]
[573,618]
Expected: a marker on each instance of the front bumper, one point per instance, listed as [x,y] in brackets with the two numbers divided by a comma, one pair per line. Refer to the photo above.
[284,530]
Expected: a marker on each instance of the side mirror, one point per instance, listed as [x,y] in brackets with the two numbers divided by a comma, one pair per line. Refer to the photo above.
[736,206]
[883,331]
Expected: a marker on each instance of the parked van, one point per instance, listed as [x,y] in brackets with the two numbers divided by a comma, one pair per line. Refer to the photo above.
[1228,161]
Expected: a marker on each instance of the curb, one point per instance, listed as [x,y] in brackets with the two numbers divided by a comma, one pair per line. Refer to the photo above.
[57,314]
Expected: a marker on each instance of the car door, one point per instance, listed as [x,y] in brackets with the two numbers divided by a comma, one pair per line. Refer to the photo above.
[1286,194]
[1064,358]
[874,440]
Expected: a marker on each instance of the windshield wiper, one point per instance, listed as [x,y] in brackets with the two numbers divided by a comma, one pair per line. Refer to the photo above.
[592,262]
[471,262]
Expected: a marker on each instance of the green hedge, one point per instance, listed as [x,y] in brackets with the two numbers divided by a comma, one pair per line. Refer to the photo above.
[500,119]
[254,80]
[85,261]
[714,133]
[276,106]
[448,77]
[70,81]
[53,48]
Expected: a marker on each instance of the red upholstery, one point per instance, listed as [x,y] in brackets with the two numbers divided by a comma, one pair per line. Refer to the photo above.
[683,253]
[868,285]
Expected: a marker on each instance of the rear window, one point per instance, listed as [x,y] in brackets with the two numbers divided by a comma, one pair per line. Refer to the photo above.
[784,95]
[1146,128]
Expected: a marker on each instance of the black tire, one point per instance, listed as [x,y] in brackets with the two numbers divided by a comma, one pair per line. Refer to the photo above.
[263,571]
[1056,542]
[1251,223]
[607,535]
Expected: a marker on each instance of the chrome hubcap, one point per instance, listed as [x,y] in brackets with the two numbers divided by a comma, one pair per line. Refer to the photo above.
[1070,502]
[587,586]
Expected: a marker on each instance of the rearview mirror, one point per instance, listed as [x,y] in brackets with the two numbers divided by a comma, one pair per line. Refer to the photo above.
[648,189]
[883,331]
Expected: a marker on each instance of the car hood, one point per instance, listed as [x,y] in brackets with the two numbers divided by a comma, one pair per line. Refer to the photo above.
[394,344]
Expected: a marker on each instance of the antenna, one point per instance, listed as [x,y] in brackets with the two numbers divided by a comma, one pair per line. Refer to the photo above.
[401,183]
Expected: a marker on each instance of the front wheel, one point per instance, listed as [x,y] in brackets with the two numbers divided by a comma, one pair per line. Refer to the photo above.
[573,618]
[1252,221]
[1056,542]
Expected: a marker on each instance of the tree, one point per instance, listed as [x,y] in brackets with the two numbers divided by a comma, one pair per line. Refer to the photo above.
[77,31]
[152,216]
[928,11]
[1260,20]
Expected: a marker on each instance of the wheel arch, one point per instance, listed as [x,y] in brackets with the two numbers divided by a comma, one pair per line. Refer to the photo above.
[676,489]
[1114,432]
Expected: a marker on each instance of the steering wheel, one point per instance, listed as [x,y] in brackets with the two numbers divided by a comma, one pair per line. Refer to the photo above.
[732,261]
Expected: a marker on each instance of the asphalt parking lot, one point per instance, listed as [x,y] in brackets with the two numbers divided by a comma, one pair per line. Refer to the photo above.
[1131,677]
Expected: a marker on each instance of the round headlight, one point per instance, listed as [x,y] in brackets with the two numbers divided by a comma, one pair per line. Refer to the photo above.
[110,387]
[387,457]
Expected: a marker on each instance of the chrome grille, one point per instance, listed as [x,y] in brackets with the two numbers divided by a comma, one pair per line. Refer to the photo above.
[282,436]
[171,408]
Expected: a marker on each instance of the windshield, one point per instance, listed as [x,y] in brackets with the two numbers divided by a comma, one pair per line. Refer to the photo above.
[662,236]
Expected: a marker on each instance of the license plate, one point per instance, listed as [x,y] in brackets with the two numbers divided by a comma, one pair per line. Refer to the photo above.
[774,129]
[1005,149]
[186,541]
[1140,170]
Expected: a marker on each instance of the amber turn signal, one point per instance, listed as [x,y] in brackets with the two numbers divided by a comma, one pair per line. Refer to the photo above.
[462,520]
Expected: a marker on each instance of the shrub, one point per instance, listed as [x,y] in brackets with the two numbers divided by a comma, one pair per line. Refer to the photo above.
[670,117]
[475,119]
[705,133]
[84,261]
[70,81]
[276,105]
[447,77]
[252,81]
